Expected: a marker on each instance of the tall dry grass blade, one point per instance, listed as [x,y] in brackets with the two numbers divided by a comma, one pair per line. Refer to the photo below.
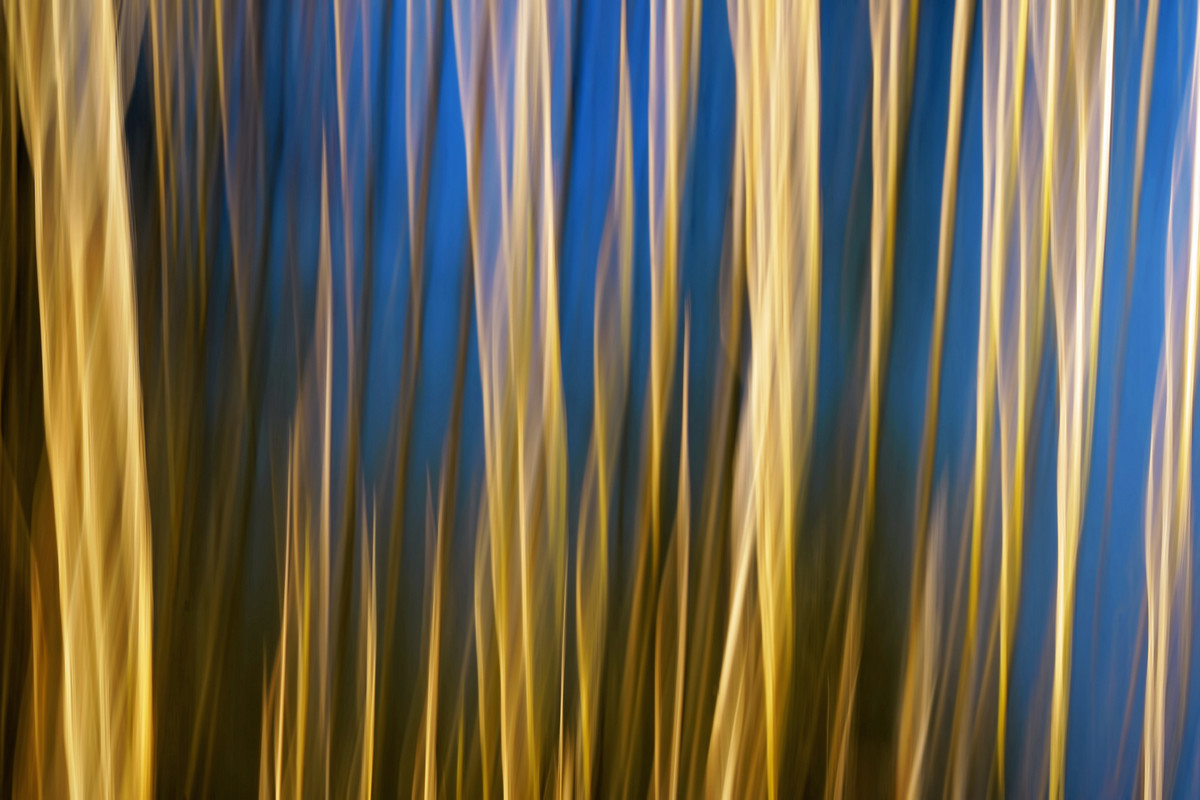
[659,661]
[299,710]
[425,773]
[302,759]
[473,57]
[41,767]
[361,768]
[612,324]
[674,50]
[670,625]
[346,711]
[231,127]
[920,646]
[704,662]
[893,31]
[778,166]
[924,666]
[1168,515]
[1017,177]
[674,64]
[73,83]
[1145,87]
[418,152]
[1078,276]
[15,299]
[524,417]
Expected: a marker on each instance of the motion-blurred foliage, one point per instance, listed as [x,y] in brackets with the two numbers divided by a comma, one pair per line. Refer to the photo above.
[297,498]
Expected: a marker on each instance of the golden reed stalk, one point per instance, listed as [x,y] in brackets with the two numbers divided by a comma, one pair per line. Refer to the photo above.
[73,74]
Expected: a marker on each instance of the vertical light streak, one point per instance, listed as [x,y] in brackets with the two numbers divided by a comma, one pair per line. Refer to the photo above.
[921,658]
[368,654]
[70,84]
[610,364]
[674,50]
[1168,516]
[471,20]
[893,25]
[1011,167]
[776,54]
[674,64]
[426,771]
[670,642]
[1078,279]
[524,418]
[1145,86]
[297,714]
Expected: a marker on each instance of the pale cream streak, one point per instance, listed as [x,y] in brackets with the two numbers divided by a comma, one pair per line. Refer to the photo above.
[985,388]
[418,85]
[673,67]
[778,162]
[1015,397]
[673,28]
[471,34]
[1145,85]
[1077,290]
[344,180]
[1005,157]
[324,369]
[921,672]
[520,369]
[1168,495]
